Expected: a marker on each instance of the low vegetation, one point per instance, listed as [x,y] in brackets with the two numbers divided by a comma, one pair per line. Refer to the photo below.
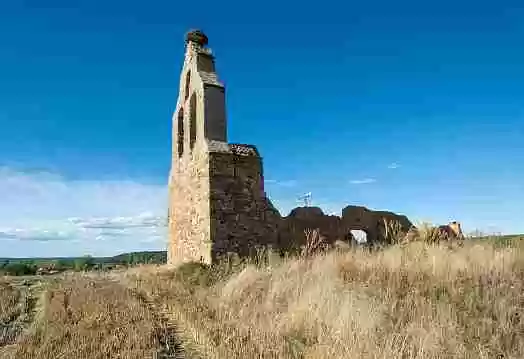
[414,300]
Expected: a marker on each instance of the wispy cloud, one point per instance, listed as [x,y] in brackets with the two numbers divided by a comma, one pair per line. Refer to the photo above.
[284,183]
[363,181]
[34,234]
[143,220]
[393,166]
[66,215]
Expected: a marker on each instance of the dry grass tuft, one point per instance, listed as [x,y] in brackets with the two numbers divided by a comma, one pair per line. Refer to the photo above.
[314,243]
[427,233]
[393,232]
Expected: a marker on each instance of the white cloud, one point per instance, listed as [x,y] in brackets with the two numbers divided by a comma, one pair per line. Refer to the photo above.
[44,214]
[363,181]
[393,165]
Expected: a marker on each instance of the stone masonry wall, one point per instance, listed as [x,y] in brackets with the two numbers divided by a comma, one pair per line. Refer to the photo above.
[242,220]
[189,218]
[292,228]
[333,228]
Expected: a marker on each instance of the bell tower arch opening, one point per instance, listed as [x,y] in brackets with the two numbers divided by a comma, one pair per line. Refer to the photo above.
[192,121]
[187,85]
[180,132]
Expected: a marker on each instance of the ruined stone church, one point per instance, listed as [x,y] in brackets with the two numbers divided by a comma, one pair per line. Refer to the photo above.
[217,202]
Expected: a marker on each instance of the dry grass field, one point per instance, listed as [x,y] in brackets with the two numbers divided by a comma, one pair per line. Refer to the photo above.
[407,301]
[9,297]
[16,309]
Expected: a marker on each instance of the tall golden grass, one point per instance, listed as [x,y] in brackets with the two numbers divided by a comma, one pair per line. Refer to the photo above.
[89,318]
[416,300]
[412,301]
[9,297]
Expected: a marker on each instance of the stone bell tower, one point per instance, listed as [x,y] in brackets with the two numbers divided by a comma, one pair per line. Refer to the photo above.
[217,202]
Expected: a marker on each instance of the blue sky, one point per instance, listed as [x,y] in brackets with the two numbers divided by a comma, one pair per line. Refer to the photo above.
[412,107]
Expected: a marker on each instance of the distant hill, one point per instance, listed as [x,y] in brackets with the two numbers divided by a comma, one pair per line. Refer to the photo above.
[149,257]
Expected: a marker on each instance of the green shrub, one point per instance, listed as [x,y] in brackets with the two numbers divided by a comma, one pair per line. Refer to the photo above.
[17,268]
[195,274]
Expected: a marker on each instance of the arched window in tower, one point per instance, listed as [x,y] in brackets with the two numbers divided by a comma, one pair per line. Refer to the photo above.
[180,132]
[186,87]
[192,121]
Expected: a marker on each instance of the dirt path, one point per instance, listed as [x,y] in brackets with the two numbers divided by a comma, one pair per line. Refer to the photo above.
[166,329]
[31,289]
[179,332]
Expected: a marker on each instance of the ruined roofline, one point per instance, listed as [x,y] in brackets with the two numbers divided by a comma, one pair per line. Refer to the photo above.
[244,149]
[239,149]
[317,211]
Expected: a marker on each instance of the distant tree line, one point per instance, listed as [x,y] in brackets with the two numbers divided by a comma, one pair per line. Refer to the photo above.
[135,258]
[19,267]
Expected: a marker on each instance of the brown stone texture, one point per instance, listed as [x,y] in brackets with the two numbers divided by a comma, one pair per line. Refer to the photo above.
[217,202]
[335,228]
[372,222]
[189,212]
[241,218]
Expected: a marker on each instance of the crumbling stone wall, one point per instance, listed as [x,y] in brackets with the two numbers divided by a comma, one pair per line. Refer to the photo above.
[334,228]
[217,202]
[291,234]
[372,222]
[241,219]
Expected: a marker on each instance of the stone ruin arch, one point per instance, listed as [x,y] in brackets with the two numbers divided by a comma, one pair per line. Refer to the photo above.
[357,236]
[179,136]
[193,121]
[217,201]
[187,84]
[336,228]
